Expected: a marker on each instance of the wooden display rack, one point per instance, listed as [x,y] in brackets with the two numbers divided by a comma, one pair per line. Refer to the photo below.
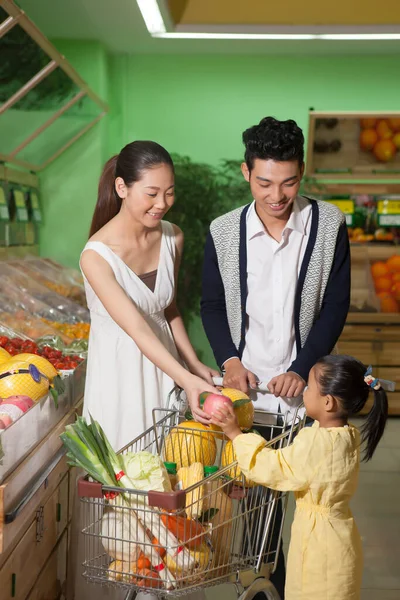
[373,337]
[350,162]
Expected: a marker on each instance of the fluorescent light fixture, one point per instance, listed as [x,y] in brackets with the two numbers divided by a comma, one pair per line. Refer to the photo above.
[278,36]
[152,16]
[235,36]
[358,36]
[155,24]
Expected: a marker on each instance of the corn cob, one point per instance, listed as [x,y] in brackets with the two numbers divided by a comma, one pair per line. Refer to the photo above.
[189,476]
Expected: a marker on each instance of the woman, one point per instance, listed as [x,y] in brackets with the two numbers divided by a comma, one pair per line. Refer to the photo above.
[138,342]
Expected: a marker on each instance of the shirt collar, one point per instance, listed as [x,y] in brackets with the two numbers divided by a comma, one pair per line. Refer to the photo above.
[256,227]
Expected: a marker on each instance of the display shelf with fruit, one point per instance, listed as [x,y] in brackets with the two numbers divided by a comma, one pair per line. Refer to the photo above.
[54,279]
[386,278]
[72,312]
[353,146]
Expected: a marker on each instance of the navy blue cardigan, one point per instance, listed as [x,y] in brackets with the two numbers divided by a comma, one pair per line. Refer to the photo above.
[328,325]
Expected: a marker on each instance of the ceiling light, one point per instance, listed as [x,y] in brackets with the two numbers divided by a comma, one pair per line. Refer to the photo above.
[236,36]
[152,16]
[359,36]
[277,36]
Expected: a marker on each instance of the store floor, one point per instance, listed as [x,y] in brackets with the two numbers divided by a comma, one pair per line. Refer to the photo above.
[376,508]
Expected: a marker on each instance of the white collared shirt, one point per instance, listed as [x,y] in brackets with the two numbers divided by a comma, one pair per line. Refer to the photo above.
[273,269]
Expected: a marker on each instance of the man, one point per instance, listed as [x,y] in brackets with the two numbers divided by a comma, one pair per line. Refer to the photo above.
[276,278]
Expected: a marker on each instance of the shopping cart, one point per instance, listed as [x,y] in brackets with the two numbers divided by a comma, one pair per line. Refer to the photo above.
[217,530]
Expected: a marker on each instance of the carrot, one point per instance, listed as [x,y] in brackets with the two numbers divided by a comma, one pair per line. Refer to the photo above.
[159,549]
[187,531]
[143,562]
[151,579]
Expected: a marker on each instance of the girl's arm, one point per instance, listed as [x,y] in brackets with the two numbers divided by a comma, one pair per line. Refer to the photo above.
[124,312]
[285,470]
[175,321]
[289,469]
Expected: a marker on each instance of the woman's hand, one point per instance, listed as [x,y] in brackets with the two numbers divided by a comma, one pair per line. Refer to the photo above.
[203,371]
[194,386]
[225,418]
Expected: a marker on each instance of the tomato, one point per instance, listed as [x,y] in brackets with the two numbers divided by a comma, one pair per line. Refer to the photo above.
[73,364]
[16,342]
[3,340]
[58,365]
[11,349]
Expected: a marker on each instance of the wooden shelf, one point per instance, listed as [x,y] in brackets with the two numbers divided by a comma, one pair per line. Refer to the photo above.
[372,318]
[350,163]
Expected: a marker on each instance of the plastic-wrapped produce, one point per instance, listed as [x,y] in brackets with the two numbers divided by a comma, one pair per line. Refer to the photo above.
[30,326]
[23,300]
[55,279]
[72,311]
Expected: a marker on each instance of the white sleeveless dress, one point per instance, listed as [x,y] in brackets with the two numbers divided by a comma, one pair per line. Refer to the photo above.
[122,385]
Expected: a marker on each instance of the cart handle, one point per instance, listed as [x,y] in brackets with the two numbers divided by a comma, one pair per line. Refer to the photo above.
[261,387]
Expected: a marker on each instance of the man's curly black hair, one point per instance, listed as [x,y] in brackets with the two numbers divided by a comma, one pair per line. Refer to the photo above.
[276,140]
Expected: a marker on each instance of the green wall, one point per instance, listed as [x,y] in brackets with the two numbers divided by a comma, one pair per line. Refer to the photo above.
[69,184]
[197,106]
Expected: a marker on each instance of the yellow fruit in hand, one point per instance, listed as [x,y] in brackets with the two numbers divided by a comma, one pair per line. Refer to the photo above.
[190,442]
[244,413]
[228,456]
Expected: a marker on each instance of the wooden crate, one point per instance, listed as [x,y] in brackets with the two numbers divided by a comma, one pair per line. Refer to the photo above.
[350,162]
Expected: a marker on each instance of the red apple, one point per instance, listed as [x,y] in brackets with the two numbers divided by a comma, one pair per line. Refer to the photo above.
[23,402]
[215,401]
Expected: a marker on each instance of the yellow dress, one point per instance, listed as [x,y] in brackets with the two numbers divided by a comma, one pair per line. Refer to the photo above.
[321,468]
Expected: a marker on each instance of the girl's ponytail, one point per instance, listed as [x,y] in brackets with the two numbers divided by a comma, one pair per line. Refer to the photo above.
[374,425]
[350,382]
[108,202]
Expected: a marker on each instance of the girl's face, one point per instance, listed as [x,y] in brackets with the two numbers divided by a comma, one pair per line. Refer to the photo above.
[313,401]
[150,198]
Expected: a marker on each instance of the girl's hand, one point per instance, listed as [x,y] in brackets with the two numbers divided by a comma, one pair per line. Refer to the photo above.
[225,418]
[206,373]
[194,386]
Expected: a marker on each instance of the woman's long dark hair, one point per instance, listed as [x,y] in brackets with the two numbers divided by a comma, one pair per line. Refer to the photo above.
[129,164]
[342,377]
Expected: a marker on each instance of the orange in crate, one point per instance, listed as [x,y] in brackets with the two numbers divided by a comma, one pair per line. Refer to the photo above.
[379,269]
[368,123]
[383,129]
[395,277]
[384,150]
[393,263]
[394,124]
[388,303]
[383,284]
[368,139]
[396,140]
[396,291]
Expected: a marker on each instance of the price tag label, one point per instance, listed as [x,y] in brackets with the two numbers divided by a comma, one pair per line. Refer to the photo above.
[389,213]
[36,213]
[22,212]
[4,212]
[347,208]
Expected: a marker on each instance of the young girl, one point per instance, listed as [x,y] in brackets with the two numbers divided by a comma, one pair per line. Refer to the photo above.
[138,342]
[321,467]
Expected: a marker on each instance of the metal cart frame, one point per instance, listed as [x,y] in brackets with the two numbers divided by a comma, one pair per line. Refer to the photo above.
[122,525]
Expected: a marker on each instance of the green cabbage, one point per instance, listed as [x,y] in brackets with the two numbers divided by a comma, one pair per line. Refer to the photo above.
[147,472]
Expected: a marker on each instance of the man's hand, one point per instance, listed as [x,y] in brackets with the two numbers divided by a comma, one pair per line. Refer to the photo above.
[237,377]
[287,385]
